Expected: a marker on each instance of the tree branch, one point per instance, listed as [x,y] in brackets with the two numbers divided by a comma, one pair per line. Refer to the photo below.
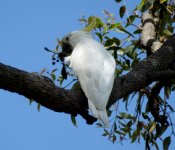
[43,91]
[163,75]
[148,38]
[154,103]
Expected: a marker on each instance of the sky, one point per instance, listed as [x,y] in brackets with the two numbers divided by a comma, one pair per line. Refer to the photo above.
[26,28]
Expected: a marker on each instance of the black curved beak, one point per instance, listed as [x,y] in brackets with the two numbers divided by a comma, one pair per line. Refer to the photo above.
[66,51]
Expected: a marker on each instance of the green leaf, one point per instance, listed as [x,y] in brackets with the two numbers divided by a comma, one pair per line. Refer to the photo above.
[129,124]
[139,31]
[122,11]
[100,36]
[76,86]
[167,32]
[114,25]
[126,116]
[166,143]
[167,91]
[140,125]
[146,5]
[160,130]
[144,135]
[105,133]
[73,120]
[43,71]
[120,51]
[38,107]
[30,101]
[162,1]
[56,48]
[134,136]
[109,42]
[123,29]
[145,116]
[170,107]
[54,70]
[53,76]
[99,124]
[131,19]
[92,24]
[119,132]
[109,112]
[60,79]
[153,127]
[156,145]
[99,23]
[117,41]
[122,124]
[139,7]
[125,99]
[115,127]
[114,138]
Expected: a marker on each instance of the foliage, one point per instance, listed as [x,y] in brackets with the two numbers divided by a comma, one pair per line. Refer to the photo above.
[122,39]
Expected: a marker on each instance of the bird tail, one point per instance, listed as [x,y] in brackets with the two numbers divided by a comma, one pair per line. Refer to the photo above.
[104,118]
[101,115]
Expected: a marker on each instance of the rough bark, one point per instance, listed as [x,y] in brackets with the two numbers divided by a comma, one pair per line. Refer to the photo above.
[43,91]
[149,38]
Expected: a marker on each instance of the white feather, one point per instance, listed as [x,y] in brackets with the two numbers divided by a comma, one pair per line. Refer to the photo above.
[95,69]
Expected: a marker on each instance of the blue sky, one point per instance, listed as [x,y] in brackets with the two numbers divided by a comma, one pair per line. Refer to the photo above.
[26,28]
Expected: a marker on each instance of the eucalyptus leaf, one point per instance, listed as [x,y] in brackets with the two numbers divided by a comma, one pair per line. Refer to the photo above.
[134,136]
[166,143]
[92,24]
[73,119]
[122,11]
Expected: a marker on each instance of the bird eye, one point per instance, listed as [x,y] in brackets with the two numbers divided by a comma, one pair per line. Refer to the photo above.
[67,38]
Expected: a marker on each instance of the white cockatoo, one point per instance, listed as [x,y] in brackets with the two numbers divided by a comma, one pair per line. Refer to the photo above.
[94,68]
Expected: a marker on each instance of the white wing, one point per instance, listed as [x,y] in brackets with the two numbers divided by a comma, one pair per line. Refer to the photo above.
[95,69]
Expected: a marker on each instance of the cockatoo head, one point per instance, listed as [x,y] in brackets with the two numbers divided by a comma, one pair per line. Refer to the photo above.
[70,41]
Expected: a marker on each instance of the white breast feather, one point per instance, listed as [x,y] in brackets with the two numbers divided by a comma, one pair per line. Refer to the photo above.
[95,69]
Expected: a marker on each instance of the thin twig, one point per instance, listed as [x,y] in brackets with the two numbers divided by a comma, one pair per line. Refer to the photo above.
[69,83]
[48,50]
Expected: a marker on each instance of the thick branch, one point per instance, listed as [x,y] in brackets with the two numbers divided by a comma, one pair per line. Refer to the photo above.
[42,90]
[154,102]
[163,75]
